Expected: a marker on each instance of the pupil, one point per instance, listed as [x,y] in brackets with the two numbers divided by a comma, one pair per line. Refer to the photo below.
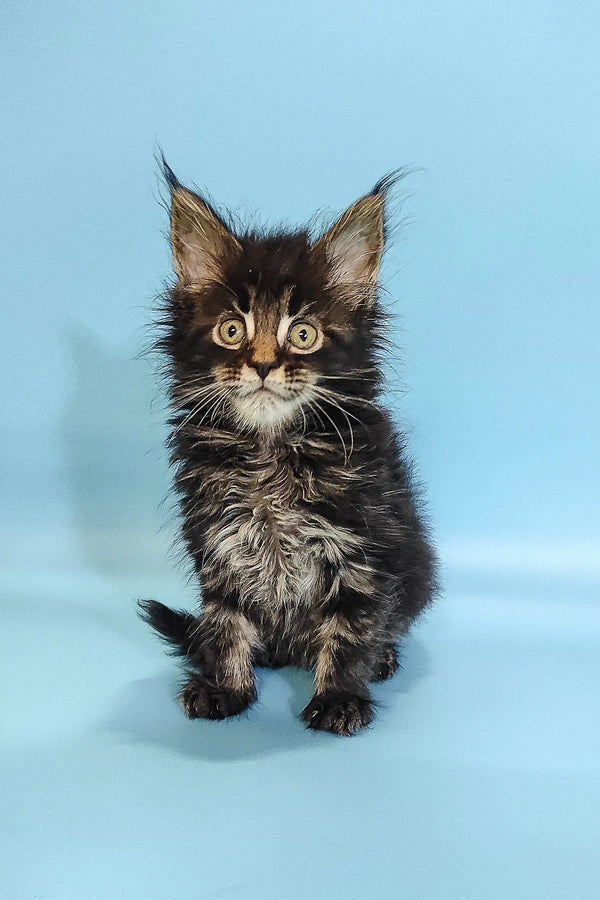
[303,334]
[232,330]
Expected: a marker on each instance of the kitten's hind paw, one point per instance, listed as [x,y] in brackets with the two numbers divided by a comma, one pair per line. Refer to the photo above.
[338,712]
[203,700]
[386,665]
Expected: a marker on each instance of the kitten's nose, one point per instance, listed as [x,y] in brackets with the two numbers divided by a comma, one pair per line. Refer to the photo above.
[263,368]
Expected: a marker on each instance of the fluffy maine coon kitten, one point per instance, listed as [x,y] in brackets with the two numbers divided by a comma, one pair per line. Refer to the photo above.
[297,504]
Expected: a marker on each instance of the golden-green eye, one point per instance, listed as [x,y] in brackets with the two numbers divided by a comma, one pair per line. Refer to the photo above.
[232,331]
[303,335]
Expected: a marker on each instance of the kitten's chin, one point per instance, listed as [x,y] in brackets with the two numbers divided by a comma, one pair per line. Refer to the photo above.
[265,409]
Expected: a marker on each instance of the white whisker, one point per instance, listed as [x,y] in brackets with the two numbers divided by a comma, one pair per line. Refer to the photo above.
[343,412]
[325,413]
[215,389]
[326,392]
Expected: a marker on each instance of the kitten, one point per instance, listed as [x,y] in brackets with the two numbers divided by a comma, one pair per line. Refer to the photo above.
[298,509]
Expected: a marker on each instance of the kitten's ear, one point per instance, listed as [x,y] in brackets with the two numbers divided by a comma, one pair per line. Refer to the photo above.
[200,239]
[353,246]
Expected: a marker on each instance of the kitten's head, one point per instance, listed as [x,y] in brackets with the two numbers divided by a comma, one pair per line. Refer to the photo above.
[267,329]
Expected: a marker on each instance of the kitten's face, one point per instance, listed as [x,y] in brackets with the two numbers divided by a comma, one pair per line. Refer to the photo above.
[268,327]
[265,362]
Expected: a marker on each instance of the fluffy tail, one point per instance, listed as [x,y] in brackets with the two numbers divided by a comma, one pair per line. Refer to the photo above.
[175,626]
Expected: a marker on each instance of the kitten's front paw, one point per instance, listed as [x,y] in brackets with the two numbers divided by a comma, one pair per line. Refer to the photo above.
[338,712]
[202,700]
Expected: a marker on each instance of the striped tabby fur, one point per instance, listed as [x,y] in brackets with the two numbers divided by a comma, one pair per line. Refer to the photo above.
[298,508]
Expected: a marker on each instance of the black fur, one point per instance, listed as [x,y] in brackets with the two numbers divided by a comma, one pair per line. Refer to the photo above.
[301,519]
[173,625]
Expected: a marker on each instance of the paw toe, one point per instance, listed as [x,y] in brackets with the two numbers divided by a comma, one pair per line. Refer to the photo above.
[339,713]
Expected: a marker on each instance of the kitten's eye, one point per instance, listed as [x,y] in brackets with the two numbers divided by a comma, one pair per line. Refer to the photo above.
[303,335]
[232,332]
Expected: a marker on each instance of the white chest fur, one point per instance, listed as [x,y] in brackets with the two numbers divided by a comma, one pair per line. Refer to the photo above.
[267,544]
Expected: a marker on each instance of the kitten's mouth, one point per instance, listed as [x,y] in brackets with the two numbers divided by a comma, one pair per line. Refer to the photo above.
[266,405]
[267,390]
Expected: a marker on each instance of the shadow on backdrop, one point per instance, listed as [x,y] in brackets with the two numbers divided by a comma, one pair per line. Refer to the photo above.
[116,465]
[148,713]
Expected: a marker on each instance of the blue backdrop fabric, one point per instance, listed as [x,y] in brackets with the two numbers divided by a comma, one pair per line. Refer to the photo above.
[481,777]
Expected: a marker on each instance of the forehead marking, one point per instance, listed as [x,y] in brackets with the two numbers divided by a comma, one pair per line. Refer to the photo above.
[249,320]
[267,313]
[268,304]
[283,329]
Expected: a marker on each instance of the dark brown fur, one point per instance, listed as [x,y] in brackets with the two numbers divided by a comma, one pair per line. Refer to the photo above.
[299,512]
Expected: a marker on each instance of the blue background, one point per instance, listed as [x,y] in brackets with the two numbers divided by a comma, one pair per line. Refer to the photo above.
[481,777]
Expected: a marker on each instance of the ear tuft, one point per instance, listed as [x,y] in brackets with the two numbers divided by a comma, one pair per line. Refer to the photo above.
[168,174]
[389,181]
